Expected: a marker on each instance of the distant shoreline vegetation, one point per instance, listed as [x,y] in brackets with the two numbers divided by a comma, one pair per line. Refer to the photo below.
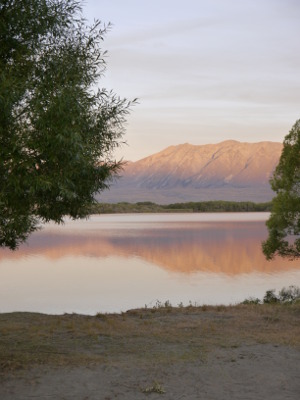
[192,207]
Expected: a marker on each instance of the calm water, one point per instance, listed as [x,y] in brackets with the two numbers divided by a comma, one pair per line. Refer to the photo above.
[117,262]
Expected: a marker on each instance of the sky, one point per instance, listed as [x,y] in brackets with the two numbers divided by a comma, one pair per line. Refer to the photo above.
[204,71]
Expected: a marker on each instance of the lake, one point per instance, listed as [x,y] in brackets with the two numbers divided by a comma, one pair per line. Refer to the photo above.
[112,263]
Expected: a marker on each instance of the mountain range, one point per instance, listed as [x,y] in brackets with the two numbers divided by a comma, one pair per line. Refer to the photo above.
[229,170]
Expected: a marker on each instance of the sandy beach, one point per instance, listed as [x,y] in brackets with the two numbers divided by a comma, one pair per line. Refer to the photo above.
[238,352]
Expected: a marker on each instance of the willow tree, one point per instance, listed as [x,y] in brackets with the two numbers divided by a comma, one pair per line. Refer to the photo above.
[284,222]
[57,132]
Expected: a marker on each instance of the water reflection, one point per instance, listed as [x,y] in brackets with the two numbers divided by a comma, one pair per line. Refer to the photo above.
[211,246]
[113,263]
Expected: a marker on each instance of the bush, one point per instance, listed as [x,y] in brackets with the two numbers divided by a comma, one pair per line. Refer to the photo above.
[290,294]
[251,300]
[287,295]
[270,297]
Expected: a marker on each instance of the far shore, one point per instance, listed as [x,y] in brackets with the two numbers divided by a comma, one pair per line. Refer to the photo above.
[190,207]
[247,351]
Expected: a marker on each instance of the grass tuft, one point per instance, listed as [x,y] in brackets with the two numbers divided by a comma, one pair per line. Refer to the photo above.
[155,388]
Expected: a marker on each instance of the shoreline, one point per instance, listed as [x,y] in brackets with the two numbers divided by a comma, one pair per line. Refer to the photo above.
[213,206]
[194,352]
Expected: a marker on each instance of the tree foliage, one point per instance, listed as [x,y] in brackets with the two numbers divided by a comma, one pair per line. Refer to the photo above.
[57,132]
[284,222]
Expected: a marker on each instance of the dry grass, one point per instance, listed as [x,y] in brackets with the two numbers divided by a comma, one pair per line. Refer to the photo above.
[162,335]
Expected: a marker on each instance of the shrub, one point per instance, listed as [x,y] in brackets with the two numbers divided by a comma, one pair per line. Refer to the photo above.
[290,294]
[270,297]
[251,300]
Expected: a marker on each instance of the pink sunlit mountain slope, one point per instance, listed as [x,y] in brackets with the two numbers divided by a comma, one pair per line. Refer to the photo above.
[229,170]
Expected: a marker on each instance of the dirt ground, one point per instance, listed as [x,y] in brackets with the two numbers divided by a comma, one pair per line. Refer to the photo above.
[241,352]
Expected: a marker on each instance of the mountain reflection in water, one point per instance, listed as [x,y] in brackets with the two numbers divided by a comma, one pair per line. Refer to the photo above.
[225,247]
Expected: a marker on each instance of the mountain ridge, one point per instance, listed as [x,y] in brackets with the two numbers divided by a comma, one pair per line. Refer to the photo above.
[187,172]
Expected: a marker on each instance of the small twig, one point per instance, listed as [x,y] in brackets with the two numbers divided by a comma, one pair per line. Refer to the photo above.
[41,396]
[44,351]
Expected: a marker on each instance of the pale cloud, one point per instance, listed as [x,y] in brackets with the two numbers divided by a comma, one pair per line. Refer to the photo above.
[204,70]
[160,32]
